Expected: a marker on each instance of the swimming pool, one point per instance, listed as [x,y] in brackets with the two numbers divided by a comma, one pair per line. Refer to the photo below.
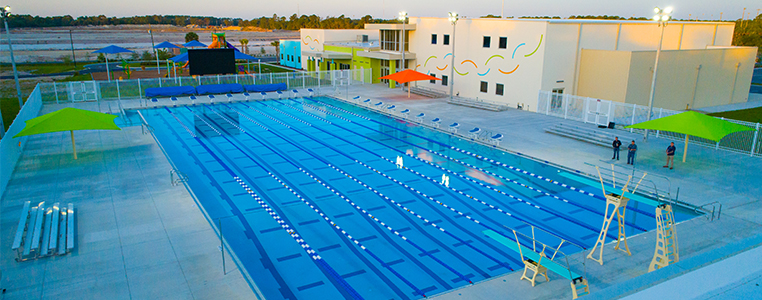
[310,200]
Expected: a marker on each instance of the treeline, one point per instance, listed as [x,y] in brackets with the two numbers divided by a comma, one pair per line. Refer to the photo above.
[293,22]
[749,33]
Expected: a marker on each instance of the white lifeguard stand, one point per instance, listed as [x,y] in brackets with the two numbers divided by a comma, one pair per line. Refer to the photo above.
[620,208]
[666,252]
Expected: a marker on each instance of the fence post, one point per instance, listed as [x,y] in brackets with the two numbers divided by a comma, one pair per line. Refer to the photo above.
[754,143]
[585,110]
[633,117]
[271,78]
[288,83]
[660,111]
[717,146]
[55,90]
[608,118]
[159,81]
[304,82]
[547,105]
[362,74]
[118,92]
[566,108]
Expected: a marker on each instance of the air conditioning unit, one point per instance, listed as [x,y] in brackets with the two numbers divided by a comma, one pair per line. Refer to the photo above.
[362,38]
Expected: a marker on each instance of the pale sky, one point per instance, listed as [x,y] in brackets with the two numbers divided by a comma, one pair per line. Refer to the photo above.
[248,9]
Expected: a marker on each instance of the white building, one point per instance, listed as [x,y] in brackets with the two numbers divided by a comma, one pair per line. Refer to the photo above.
[511,60]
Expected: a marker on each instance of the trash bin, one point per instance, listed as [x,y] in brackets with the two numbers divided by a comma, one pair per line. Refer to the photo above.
[612,125]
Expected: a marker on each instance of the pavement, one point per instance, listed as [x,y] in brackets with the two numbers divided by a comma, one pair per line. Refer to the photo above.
[139,237]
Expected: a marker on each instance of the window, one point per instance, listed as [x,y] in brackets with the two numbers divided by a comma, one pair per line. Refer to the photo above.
[446,39]
[433,39]
[483,88]
[444,80]
[486,41]
[503,42]
[299,59]
[499,89]
[281,56]
[433,80]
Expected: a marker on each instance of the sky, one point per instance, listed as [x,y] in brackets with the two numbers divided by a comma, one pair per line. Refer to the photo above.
[249,9]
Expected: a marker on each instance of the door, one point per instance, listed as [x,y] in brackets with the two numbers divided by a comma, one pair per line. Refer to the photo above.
[597,111]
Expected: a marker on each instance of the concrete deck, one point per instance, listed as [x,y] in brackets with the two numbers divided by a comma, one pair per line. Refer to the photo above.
[140,237]
[137,236]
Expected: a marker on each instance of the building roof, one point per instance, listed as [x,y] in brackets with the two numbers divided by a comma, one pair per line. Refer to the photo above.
[585,21]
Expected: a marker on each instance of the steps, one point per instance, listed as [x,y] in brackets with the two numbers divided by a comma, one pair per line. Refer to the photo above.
[427,92]
[477,104]
[601,137]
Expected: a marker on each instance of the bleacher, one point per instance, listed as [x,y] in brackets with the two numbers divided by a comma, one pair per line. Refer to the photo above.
[427,92]
[44,231]
[477,104]
[587,133]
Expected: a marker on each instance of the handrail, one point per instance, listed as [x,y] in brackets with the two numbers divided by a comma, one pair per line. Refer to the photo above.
[556,250]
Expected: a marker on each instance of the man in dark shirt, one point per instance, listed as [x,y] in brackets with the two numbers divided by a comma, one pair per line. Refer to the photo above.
[616,145]
[631,149]
[670,156]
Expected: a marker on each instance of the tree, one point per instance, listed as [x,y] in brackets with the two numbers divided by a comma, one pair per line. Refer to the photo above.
[101,58]
[244,45]
[276,44]
[147,56]
[191,36]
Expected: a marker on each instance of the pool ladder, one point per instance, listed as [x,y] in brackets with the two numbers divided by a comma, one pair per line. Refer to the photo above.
[181,177]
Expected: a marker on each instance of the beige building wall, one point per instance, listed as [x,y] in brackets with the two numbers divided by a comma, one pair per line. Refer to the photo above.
[604,74]
[694,78]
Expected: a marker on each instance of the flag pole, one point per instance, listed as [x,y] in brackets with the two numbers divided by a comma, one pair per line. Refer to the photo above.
[73,146]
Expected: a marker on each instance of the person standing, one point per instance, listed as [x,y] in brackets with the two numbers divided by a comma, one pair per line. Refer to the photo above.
[670,156]
[616,145]
[631,149]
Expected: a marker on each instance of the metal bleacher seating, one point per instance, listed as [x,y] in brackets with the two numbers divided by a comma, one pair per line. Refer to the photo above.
[477,104]
[588,133]
[44,231]
[427,92]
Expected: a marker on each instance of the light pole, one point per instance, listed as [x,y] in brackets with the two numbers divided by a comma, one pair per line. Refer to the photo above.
[73,56]
[662,17]
[158,68]
[403,17]
[454,20]
[5,12]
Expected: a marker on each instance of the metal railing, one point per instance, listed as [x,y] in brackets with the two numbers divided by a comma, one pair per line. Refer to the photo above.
[601,112]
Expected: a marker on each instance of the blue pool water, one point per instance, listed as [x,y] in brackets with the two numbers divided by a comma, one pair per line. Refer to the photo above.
[308,198]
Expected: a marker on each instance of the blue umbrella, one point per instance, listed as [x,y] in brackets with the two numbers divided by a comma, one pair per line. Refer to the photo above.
[193,43]
[241,55]
[165,45]
[180,58]
[111,50]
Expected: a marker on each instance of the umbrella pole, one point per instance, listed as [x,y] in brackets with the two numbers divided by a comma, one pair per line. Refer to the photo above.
[73,146]
[685,151]
[408,90]
[108,74]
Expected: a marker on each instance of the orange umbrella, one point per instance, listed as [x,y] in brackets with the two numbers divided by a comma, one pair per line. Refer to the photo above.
[408,76]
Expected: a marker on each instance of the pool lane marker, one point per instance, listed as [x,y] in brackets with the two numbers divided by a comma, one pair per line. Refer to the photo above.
[283,224]
[357,207]
[317,210]
[579,190]
[551,211]
[498,209]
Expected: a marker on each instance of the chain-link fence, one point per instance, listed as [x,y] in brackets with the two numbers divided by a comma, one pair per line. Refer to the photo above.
[604,112]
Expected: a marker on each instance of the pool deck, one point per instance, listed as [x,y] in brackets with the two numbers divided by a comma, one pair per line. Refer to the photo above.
[139,237]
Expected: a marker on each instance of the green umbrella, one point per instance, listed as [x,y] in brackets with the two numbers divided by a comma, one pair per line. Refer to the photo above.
[695,124]
[69,119]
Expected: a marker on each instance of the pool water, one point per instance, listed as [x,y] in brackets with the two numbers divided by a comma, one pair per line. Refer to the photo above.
[309,198]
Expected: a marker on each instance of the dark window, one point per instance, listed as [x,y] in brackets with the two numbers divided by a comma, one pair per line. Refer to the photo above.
[486,41]
[446,39]
[299,59]
[444,80]
[557,98]
[281,56]
[503,42]
[483,88]
[433,39]
[499,89]
[432,80]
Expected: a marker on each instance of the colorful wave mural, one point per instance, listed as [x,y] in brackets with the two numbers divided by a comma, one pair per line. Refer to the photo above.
[307,41]
[471,62]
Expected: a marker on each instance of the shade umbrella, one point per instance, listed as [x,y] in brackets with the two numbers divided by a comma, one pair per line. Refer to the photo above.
[165,45]
[111,50]
[180,58]
[695,124]
[193,43]
[408,75]
[69,119]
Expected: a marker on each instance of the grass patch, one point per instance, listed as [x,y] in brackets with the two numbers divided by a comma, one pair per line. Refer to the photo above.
[753,115]
[46,68]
